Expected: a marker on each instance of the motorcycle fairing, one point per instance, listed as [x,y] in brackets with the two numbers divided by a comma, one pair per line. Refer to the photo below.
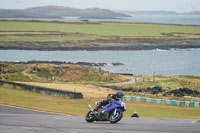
[112,105]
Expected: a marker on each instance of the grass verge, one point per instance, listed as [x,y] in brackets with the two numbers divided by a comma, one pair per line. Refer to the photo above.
[166,82]
[28,99]
[161,111]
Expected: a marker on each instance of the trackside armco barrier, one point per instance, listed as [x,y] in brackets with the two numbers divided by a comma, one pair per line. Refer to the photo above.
[49,91]
[162,101]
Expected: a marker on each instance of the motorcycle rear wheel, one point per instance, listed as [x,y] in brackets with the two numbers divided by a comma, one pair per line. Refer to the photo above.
[115,118]
[90,116]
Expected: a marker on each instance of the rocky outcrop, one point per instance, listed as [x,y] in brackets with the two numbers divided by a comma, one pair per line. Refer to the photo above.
[182,92]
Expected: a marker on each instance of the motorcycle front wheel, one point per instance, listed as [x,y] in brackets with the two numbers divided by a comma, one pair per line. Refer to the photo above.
[114,118]
[90,116]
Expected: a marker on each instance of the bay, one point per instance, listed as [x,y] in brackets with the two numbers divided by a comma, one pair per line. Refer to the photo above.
[160,62]
[154,18]
[167,19]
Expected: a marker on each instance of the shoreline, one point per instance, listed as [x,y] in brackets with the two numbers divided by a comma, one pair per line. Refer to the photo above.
[106,48]
[91,64]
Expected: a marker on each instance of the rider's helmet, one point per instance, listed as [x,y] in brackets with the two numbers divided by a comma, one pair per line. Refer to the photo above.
[119,94]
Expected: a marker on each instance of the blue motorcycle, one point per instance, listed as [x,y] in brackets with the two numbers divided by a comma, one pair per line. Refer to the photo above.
[112,112]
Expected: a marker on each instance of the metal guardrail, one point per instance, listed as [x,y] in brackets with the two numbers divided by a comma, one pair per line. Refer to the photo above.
[162,101]
[49,91]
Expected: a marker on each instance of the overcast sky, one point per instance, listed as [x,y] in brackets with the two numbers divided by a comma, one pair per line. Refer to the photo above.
[174,5]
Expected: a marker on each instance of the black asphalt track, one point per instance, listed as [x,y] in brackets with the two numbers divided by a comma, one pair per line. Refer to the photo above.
[20,120]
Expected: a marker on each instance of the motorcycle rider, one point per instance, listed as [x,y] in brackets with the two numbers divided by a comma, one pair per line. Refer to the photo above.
[118,96]
[112,110]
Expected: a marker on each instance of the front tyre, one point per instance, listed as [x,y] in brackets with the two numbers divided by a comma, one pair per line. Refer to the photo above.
[90,116]
[114,118]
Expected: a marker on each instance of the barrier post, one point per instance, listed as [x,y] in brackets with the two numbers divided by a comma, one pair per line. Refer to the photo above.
[172,102]
[163,101]
[124,98]
[191,104]
[182,103]
[168,101]
[196,104]
[143,99]
[133,98]
[149,100]
[187,103]
[154,100]
[138,99]
[159,101]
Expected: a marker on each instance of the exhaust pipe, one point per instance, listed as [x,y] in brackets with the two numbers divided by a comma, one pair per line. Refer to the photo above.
[90,108]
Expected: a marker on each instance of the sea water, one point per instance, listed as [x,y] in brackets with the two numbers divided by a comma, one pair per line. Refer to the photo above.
[160,62]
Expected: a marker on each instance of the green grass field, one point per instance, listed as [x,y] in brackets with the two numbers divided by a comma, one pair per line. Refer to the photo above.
[26,34]
[46,38]
[29,99]
[108,29]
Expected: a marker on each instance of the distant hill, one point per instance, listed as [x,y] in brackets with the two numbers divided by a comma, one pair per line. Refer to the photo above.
[60,12]
[193,13]
[6,13]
